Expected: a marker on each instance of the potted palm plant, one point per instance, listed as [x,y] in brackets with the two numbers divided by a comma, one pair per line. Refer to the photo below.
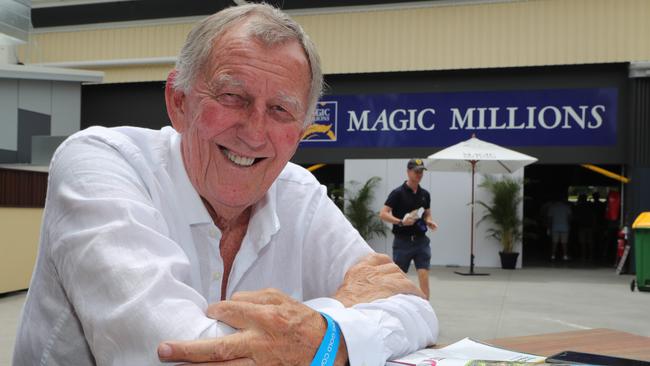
[358,211]
[502,211]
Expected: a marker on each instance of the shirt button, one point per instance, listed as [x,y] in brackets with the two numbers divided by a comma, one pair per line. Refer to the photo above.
[216,276]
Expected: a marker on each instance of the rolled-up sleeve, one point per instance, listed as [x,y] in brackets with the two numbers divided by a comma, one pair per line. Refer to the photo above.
[384,329]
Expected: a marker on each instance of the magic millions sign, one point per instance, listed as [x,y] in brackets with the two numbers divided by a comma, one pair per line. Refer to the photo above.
[557,117]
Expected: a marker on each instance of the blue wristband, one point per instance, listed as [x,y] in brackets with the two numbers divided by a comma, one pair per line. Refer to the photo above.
[328,348]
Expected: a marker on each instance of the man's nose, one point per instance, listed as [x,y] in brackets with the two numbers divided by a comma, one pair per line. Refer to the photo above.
[252,131]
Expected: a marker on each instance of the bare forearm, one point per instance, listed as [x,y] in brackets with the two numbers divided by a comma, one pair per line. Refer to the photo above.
[387,216]
[342,355]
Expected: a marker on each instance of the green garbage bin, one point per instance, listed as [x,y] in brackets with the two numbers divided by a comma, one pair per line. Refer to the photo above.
[641,228]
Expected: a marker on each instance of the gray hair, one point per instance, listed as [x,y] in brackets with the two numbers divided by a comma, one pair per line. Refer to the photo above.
[273,27]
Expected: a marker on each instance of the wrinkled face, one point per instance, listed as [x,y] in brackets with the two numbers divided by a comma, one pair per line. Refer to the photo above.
[243,118]
[415,175]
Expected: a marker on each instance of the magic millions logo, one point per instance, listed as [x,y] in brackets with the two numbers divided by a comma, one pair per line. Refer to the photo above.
[324,126]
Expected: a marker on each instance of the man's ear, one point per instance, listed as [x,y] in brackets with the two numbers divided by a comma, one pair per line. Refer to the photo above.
[175,102]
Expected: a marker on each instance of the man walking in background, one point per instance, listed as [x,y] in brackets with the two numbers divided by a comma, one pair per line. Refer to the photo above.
[408,209]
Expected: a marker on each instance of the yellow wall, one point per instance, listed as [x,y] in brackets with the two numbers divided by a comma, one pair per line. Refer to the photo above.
[19,230]
[483,35]
[430,37]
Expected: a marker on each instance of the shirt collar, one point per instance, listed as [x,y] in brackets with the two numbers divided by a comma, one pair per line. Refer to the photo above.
[195,210]
[406,186]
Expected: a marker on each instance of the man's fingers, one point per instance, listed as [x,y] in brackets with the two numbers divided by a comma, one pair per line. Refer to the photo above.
[266,296]
[389,268]
[365,282]
[375,259]
[408,222]
[236,362]
[406,286]
[238,314]
[368,272]
[226,348]
[398,282]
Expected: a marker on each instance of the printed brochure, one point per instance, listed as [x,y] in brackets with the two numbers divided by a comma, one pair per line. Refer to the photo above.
[468,352]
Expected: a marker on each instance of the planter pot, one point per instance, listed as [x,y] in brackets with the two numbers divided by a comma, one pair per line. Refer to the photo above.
[508,260]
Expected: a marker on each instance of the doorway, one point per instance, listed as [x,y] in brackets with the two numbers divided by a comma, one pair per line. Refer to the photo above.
[331,176]
[594,200]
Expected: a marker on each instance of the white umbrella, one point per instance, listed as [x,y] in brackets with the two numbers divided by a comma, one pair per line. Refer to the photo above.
[473,156]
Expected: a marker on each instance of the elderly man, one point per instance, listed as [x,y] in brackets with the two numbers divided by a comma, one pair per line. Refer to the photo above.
[143,229]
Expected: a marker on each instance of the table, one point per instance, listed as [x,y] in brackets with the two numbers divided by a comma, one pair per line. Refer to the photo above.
[602,341]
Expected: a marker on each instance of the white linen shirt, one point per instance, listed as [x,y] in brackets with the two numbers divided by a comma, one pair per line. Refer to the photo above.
[129,257]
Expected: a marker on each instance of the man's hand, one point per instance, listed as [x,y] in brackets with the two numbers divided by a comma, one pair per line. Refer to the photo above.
[374,277]
[274,330]
[431,225]
[409,220]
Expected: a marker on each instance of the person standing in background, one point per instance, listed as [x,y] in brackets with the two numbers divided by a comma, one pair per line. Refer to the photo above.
[559,217]
[401,209]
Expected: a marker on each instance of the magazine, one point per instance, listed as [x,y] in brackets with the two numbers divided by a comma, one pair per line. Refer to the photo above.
[467,352]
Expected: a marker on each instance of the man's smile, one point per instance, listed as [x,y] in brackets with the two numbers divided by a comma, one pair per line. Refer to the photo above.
[239,160]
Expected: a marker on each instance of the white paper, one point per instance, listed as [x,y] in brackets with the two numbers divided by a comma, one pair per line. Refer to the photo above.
[466,352]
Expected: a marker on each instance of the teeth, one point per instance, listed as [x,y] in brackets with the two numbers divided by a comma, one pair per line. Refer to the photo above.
[239,160]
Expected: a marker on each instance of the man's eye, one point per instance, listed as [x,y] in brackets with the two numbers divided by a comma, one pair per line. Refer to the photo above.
[231,99]
[279,108]
[281,113]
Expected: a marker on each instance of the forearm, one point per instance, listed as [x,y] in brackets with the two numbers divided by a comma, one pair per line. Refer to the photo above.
[389,218]
[427,215]
[386,215]
[384,329]
[342,358]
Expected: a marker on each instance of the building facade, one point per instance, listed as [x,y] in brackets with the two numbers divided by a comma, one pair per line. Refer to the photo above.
[565,81]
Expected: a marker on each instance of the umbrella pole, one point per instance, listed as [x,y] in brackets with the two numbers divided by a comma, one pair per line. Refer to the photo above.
[471,231]
[471,224]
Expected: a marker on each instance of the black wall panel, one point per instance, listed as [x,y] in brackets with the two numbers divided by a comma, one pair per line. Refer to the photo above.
[120,11]
[30,124]
[638,194]
[134,104]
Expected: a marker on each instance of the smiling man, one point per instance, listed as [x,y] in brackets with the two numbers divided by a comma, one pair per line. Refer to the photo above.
[144,229]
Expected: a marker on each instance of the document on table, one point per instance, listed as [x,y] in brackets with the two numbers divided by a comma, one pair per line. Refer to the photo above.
[467,352]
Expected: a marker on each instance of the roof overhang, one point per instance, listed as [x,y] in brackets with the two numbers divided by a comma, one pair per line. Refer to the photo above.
[9,71]
[26,167]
